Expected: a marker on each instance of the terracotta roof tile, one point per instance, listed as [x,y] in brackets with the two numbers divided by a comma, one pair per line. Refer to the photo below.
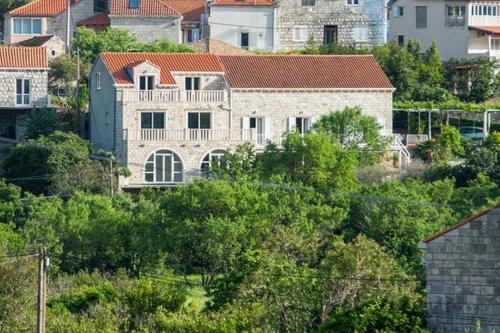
[295,72]
[243,3]
[253,71]
[191,10]
[494,30]
[34,42]
[178,62]
[42,8]
[215,46]
[101,20]
[146,8]
[23,57]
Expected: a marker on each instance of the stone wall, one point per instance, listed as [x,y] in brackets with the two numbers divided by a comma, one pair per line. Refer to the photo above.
[369,13]
[148,28]
[39,86]
[463,276]
[79,11]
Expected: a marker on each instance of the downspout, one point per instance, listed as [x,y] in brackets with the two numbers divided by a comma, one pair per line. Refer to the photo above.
[275,29]
[68,26]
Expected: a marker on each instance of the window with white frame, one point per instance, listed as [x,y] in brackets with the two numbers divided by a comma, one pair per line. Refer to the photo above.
[300,124]
[133,4]
[263,127]
[192,83]
[23,92]
[98,81]
[485,10]
[163,166]
[308,2]
[421,17]
[146,82]
[153,120]
[300,33]
[212,157]
[352,2]
[27,26]
[454,15]
[199,120]
[399,11]
[192,35]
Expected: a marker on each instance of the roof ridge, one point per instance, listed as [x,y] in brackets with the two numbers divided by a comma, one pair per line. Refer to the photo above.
[169,7]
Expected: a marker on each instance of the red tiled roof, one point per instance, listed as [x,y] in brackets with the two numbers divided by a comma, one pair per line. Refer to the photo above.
[243,3]
[191,10]
[215,46]
[461,224]
[146,8]
[23,57]
[101,20]
[34,42]
[117,63]
[494,30]
[296,71]
[42,8]
[253,71]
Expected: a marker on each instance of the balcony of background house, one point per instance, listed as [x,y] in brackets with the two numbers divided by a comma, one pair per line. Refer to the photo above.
[174,95]
[484,41]
[485,14]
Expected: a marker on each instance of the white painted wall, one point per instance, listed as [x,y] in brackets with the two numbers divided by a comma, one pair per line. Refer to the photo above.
[228,22]
[452,41]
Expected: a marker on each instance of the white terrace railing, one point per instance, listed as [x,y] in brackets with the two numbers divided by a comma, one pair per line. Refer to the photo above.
[243,135]
[174,95]
[213,96]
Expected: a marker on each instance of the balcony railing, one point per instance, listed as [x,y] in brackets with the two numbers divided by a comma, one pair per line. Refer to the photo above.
[210,96]
[455,21]
[196,135]
[158,95]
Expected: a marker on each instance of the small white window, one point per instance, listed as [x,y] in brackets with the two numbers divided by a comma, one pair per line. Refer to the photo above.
[300,33]
[352,2]
[212,157]
[23,92]
[27,26]
[98,81]
[399,11]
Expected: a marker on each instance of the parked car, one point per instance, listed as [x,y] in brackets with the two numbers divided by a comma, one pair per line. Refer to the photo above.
[472,133]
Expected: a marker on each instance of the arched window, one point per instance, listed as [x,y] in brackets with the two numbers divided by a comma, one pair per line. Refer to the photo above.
[163,166]
[212,157]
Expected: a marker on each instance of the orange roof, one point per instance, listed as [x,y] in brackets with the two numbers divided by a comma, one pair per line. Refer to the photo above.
[461,224]
[146,8]
[23,57]
[310,72]
[253,71]
[42,8]
[215,46]
[118,62]
[243,3]
[101,20]
[191,10]
[494,30]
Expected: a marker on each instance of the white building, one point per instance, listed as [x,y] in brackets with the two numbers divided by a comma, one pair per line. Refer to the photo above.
[23,87]
[166,115]
[460,28]
[247,24]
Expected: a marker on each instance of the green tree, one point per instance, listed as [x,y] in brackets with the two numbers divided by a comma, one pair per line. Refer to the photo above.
[41,122]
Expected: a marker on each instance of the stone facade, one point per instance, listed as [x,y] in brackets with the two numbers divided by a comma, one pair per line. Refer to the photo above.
[463,275]
[116,119]
[149,29]
[361,24]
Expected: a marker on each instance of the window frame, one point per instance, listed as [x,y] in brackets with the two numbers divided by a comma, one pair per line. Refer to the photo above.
[98,81]
[301,28]
[308,3]
[206,165]
[148,84]
[422,25]
[175,160]
[23,94]
[401,40]
[31,26]
[152,120]
[134,4]
[192,85]
[352,2]
[245,47]
[199,113]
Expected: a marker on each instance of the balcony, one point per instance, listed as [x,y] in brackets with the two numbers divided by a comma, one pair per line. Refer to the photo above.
[455,21]
[174,95]
[237,135]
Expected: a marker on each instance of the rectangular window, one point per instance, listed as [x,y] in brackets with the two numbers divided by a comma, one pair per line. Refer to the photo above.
[133,4]
[192,83]
[352,2]
[100,6]
[401,40]
[98,81]
[257,124]
[27,26]
[300,33]
[244,40]
[399,11]
[146,82]
[153,120]
[199,120]
[23,92]
[421,16]
[455,15]
[300,124]
[330,34]
[308,2]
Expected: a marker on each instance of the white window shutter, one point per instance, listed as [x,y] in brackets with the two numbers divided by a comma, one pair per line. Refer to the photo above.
[196,34]
[307,124]
[245,123]
[305,34]
[381,122]
[313,120]
[268,128]
[291,123]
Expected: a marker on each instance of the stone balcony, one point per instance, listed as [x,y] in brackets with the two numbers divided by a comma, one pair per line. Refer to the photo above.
[199,135]
[174,95]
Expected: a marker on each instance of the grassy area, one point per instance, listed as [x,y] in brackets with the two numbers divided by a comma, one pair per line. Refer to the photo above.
[196,295]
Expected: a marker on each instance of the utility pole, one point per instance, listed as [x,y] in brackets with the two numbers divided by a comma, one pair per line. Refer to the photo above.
[111,177]
[81,120]
[68,25]
[42,288]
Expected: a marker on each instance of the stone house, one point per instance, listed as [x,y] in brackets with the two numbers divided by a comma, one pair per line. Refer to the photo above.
[290,24]
[463,275]
[166,116]
[462,29]
[54,45]
[23,87]
[149,20]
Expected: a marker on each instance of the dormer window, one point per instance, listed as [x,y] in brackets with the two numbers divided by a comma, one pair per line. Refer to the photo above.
[192,83]
[133,4]
[146,82]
